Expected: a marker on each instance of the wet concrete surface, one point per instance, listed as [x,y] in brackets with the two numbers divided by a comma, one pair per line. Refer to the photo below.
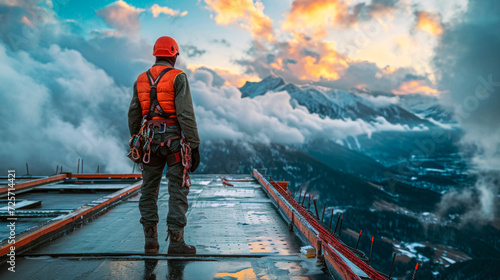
[237,231]
[57,200]
[52,200]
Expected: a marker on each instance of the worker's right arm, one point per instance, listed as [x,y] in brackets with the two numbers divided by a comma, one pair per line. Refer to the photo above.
[185,111]
[134,113]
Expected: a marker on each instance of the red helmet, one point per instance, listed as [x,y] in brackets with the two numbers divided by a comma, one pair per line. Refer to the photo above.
[165,46]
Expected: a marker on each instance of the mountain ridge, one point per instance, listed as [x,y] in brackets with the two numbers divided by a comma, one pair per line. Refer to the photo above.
[413,110]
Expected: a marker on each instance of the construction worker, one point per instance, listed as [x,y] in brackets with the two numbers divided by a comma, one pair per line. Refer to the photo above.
[170,116]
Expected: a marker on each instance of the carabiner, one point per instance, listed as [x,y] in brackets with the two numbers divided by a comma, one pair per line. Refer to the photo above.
[151,130]
[164,128]
[186,180]
[146,145]
[135,154]
[148,155]
[144,120]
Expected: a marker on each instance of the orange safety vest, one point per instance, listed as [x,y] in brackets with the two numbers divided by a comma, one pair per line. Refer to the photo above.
[165,90]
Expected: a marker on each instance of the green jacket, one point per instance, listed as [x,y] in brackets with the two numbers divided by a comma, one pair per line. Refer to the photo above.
[183,107]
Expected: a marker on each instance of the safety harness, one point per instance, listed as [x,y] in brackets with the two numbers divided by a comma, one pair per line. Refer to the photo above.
[140,143]
[153,96]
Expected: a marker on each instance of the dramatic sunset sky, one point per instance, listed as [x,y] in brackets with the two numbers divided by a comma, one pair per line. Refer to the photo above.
[67,68]
[372,44]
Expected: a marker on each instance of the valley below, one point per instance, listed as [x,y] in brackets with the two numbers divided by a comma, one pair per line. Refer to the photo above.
[392,184]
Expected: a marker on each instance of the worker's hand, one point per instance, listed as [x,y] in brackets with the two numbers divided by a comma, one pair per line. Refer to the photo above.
[195,159]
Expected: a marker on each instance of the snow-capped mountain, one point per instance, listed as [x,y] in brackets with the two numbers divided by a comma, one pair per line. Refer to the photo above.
[339,104]
[252,89]
[426,106]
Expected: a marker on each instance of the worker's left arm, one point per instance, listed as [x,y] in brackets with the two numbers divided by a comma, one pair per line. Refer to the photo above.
[185,111]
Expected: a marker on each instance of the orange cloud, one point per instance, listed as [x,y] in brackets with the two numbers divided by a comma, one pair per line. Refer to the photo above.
[315,16]
[389,69]
[416,86]
[326,66]
[311,60]
[156,10]
[245,13]
[428,22]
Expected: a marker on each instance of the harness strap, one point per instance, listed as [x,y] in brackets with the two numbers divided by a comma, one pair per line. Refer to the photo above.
[163,122]
[155,105]
[174,159]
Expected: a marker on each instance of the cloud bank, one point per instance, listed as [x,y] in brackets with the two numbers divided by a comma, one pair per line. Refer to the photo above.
[50,122]
[65,97]
[467,62]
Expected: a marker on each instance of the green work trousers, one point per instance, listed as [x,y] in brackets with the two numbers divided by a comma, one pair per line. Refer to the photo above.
[152,173]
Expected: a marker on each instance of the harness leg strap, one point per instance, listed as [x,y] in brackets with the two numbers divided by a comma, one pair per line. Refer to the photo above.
[174,159]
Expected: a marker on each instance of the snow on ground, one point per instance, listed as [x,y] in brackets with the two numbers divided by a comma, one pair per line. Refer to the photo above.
[408,249]
[443,255]
[449,260]
[336,210]
[204,183]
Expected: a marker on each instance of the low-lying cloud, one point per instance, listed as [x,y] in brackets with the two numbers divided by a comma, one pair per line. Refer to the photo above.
[271,118]
[54,121]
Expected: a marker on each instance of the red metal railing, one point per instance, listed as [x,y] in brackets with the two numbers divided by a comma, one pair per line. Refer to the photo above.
[67,175]
[325,236]
[34,183]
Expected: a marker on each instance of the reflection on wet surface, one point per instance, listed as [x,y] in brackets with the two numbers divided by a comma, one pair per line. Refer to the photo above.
[243,274]
[149,268]
[152,269]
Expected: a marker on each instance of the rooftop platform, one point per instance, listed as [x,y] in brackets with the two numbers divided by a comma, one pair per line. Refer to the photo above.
[238,231]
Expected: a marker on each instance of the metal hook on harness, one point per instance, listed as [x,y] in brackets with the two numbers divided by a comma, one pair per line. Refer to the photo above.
[151,131]
[186,160]
[164,125]
[135,154]
[147,155]
[144,120]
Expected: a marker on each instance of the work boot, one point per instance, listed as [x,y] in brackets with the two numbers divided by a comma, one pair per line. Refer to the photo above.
[178,246]
[151,245]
